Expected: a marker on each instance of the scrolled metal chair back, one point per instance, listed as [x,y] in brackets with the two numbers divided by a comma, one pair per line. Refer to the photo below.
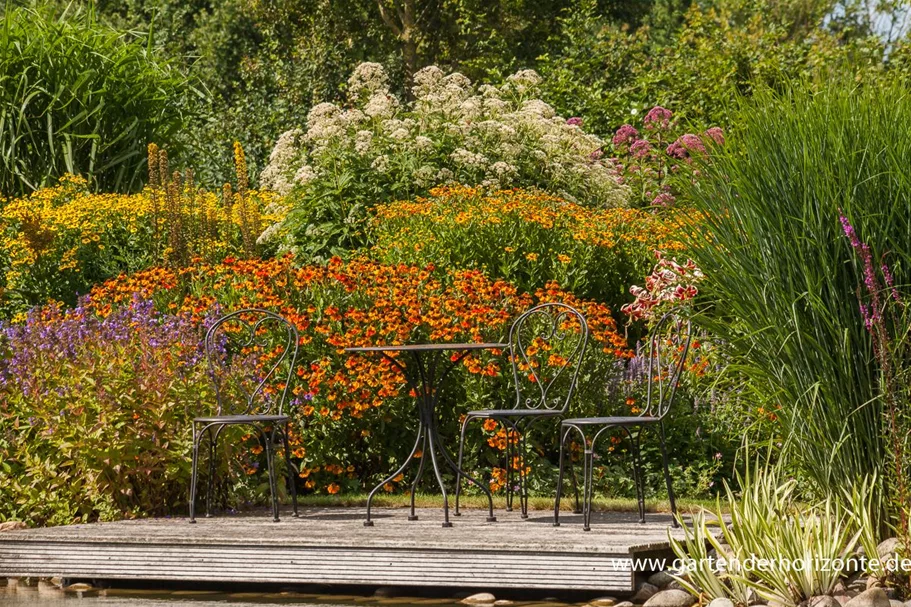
[547,344]
[668,347]
[251,355]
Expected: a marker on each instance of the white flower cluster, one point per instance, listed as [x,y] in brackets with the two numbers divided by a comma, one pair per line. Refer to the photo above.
[494,136]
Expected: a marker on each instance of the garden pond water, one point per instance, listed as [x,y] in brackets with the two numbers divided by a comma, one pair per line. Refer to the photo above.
[47,596]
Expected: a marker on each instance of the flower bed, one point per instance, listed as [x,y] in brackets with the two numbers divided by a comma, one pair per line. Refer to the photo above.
[99,428]
[528,237]
[59,241]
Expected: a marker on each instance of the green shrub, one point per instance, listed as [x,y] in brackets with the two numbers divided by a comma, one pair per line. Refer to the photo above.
[719,52]
[79,97]
[782,276]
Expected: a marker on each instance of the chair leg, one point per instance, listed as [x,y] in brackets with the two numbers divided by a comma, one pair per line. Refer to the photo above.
[458,489]
[270,464]
[667,477]
[292,477]
[417,479]
[210,481]
[563,435]
[509,492]
[638,476]
[587,489]
[523,469]
[194,471]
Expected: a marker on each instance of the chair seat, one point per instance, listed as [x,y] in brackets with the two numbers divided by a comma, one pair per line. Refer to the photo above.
[242,419]
[611,421]
[485,413]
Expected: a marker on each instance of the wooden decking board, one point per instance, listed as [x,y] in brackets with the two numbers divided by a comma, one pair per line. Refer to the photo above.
[331,546]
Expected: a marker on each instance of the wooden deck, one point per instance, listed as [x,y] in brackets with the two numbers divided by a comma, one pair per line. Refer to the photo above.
[331,546]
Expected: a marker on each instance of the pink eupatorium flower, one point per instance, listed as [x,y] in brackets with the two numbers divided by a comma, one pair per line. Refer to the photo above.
[686,146]
[715,134]
[657,118]
[574,121]
[640,148]
[664,199]
[626,134]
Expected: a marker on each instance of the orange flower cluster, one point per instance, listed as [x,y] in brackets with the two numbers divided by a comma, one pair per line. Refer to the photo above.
[462,205]
[497,479]
[601,324]
[355,303]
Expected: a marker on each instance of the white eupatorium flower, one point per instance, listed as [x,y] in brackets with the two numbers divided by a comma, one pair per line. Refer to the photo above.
[305,174]
[368,78]
[524,80]
[453,131]
[380,163]
[381,105]
[362,141]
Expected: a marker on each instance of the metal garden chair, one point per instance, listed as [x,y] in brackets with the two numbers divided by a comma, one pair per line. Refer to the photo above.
[669,345]
[546,346]
[251,355]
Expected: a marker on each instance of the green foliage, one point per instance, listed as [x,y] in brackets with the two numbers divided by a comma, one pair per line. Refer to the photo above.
[79,97]
[781,275]
[721,51]
[267,63]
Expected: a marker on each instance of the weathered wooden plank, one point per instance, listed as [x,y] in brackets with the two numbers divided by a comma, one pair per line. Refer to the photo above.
[330,546]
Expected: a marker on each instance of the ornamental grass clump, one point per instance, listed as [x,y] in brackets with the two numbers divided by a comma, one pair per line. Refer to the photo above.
[377,148]
[77,96]
[782,276]
[766,545]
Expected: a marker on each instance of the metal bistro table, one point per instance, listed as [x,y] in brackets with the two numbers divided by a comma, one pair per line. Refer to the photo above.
[425,377]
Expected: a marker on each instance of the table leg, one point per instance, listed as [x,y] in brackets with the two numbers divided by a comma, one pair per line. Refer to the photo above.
[460,474]
[417,478]
[422,433]
[424,386]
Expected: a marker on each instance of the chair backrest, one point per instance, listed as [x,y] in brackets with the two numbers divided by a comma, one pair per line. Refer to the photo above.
[668,347]
[547,344]
[251,355]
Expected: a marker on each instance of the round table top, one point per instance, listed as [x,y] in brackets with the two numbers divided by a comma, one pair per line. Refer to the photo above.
[429,347]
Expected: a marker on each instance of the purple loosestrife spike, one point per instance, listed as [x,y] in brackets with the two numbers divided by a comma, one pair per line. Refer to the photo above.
[849,231]
[890,281]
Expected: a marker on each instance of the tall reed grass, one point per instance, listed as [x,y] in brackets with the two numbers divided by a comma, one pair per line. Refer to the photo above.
[783,276]
[79,97]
